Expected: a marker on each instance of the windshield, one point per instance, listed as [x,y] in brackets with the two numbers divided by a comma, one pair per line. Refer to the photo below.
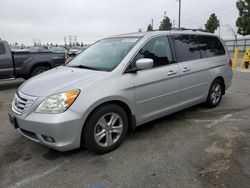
[104,55]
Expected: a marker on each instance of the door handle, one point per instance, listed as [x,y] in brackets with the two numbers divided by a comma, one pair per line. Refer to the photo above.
[172,73]
[186,69]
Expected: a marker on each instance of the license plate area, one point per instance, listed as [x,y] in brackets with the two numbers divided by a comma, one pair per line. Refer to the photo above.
[13,121]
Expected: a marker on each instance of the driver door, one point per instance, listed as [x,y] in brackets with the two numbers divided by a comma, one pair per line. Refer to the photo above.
[156,89]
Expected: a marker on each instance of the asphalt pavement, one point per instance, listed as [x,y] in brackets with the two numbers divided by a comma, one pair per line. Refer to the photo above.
[197,147]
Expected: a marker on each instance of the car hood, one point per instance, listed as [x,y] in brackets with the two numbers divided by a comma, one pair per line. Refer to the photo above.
[60,79]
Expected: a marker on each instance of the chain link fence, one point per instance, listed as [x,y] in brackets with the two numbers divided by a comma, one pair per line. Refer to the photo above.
[242,43]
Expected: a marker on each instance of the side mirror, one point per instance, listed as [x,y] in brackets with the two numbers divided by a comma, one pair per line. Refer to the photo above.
[144,63]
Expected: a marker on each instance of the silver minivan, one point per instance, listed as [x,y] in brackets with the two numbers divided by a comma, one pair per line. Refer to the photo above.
[119,83]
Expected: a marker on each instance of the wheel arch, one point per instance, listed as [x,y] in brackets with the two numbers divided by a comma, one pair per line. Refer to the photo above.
[47,64]
[123,105]
[30,66]
[223,82]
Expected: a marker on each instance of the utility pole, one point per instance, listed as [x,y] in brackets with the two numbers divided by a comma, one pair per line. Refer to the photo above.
[70,40]
[235,36]
[219,30]
[173,23]
[152,23]
[75,39]
[65,42]
[179,25]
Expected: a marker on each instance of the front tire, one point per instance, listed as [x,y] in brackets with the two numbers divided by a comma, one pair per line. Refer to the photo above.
[105,129]
[215,94]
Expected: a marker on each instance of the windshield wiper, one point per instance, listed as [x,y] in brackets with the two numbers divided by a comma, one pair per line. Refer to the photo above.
[84,67]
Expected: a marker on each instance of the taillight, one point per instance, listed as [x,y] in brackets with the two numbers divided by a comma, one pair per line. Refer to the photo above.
[230,63]
[65,58]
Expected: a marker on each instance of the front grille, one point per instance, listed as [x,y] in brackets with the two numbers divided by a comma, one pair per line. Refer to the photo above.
[22,103]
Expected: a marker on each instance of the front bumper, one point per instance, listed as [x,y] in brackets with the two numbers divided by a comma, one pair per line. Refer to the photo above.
[64,128]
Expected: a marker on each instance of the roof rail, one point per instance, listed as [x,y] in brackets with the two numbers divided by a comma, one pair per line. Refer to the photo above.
[184,29]
[181,29]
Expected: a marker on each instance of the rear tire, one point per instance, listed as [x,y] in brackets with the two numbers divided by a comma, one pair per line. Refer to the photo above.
[105,129]
[215,94]
[38,70]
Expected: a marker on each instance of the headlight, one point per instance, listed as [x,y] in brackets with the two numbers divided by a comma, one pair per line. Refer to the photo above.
[58,103]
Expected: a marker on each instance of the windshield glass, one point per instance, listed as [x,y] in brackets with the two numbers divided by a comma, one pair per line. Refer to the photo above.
[104,55]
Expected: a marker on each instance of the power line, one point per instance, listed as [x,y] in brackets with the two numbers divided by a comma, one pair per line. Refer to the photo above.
[226,9]
[171,3]
[212,10]
[169,7]
[229,18]
[220,17]
[222,12]
[201,18]
[172,7]
[206,17]
[200,25]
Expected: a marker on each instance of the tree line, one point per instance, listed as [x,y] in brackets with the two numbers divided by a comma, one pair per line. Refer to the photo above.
[212,24]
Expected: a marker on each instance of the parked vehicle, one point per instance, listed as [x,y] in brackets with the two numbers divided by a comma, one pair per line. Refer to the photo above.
[119,83]
[75,51]
[25,64]
[38,49]
[57,49]
[18,47]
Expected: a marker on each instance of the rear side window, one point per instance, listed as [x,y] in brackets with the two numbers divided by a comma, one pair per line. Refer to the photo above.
[210,46]
[2,49]
[186,47]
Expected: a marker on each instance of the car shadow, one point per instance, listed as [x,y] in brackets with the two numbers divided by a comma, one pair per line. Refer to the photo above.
[52,155]
[141,131]
[180,115]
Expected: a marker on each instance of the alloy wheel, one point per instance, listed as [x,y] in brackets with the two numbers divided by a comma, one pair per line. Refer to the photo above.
[108,129]
[216,93]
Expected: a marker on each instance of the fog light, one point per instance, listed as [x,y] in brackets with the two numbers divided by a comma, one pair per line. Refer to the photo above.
[48,138]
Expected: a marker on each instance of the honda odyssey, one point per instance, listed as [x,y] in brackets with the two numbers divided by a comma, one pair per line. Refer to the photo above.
[119,83]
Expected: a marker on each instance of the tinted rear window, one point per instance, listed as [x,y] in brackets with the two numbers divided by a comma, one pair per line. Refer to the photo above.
[2,49]
[186,47]
[210,46]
